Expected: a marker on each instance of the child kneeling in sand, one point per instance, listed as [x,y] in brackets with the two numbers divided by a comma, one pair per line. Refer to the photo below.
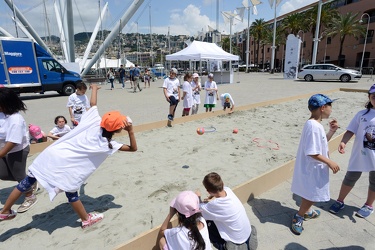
[227,102]
[65,165]
[228,224]
[311,169]
[191,232]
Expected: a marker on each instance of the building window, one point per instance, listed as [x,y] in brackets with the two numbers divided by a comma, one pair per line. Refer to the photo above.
[268,50]
[329,40]
[370,35]
[304,44]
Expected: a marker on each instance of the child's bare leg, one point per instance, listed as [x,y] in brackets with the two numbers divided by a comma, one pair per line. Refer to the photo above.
[80,210]
[370,197]
[305,207]
[12,198]
[171,109]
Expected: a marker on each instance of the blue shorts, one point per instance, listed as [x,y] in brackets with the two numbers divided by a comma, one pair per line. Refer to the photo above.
[172,100]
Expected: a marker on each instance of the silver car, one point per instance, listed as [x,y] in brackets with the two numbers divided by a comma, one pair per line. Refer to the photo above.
[328,72]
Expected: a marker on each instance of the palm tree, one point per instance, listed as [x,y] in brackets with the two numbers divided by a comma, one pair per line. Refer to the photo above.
[257,31]
[343,26]
[293,23]
[225,44]
[327,15]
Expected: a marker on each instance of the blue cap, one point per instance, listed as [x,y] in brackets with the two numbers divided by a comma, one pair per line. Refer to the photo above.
[372,89]
[318,100]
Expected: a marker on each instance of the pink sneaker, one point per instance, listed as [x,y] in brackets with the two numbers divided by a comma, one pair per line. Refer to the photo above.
[93,218]
[10,216]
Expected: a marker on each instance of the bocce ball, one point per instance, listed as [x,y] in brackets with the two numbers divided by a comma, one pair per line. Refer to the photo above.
[235,131]
[200,131]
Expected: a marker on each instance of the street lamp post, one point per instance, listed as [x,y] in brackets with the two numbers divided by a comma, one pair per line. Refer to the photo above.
[364,46]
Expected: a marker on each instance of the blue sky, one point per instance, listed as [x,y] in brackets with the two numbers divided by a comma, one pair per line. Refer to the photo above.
[185,17]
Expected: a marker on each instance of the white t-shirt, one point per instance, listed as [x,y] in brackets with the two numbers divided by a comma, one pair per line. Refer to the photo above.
[172,86]
[177,238]
[196,94]
[229,216]
[60,131]
[13,129]
[79,105]
[222,98]
[363,152]
[311,177]
[210,94]
[188,99]
[66,164]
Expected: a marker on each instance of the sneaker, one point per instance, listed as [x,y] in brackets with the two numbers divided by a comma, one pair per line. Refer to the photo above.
[297,224]
[365,211]
[336,207]
[93,218]
[28,203]
[313,215]
[10,216]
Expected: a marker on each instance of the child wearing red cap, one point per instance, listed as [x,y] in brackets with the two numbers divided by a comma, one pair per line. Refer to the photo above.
[65,165]
[191,232]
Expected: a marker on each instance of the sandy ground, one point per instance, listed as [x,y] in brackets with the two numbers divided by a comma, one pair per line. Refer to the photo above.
[134,189]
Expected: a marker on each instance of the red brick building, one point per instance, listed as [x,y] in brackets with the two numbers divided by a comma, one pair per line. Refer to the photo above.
[328,49]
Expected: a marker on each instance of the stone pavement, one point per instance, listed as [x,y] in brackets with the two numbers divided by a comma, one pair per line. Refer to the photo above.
[271,213]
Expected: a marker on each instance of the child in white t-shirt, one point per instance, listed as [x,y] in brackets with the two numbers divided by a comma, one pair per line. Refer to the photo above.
[78,103]
[227,102]
[191,232]
[196,87]
[60,129]
[171,90]
[226,217]
[311,169]
[66,164]
[211,93]
[187,96]
[362,158]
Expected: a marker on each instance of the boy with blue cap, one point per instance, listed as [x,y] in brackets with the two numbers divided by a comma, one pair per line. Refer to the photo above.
[311,169]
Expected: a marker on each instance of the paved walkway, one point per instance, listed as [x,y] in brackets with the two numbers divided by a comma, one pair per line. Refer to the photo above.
[271,213]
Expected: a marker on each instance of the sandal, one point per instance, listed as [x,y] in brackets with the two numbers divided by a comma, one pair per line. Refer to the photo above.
[313,215]
[10,216]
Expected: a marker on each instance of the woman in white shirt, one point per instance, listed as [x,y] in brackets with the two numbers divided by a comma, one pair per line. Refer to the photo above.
[14,143]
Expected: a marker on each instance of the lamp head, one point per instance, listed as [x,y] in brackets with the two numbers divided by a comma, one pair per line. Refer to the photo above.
[361,21]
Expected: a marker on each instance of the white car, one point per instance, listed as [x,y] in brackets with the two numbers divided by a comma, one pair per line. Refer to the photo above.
[328,72]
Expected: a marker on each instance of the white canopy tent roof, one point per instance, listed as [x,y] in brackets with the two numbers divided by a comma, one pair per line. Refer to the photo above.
[109,63]
[202,51]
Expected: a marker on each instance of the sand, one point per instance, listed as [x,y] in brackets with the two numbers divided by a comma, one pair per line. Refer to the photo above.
[133,190]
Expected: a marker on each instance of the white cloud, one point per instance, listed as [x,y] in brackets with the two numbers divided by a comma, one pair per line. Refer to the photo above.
[292,5]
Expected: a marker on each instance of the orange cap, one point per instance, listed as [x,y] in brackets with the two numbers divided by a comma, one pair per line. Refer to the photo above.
[112,121]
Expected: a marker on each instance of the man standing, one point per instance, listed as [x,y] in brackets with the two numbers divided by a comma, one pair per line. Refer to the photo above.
[136,74]
[121,71]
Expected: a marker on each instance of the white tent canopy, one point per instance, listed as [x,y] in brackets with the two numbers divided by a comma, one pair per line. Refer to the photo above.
[202,51]
[109,63]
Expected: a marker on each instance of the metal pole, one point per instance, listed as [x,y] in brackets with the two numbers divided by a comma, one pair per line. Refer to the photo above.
[248,40]
[27,25]
[70,26]
[364,46]
[124,20]
[302,41]
[273,43]
[325,51]
[316,39]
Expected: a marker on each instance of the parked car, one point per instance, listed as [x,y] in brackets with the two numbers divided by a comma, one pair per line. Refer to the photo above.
[328,72]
